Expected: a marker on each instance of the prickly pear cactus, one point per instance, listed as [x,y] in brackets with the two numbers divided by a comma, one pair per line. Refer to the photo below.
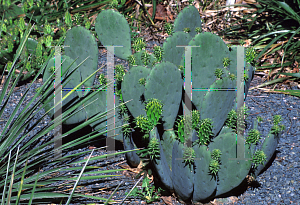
[193,153]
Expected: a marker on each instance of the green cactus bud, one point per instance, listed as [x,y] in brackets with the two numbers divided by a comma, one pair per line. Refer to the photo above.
[120,69]
[102,79]
[153,148]
[47,29]
[145,58]
[143,123]
[181,68]
[126,129]
[187,30]
[184,127]
[198,30]
[142,81]
[139,44]
[226,62]
[204,131]
[216,154]
[253,137]
[153,110]
[131,60]
[231,119]
[119,77]
[169,28]
[189,155]
[158,52]
[219,72]
[214,167]
[259,158]
[232,77]
[123,109]
[195,118]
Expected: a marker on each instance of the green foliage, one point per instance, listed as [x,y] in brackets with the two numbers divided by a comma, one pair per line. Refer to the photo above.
[277,128]
[147,193]
[169,28]
[139,44]
[158,52]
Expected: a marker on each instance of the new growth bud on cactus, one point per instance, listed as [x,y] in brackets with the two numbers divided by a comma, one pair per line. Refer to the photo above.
[131,60]
[214,167]
[184,126]
[189,156]
[259,158]
[253,137]
[153,110]
[139,44]
[187,30]
[158,53]
[145,57]
[226,62]
[153,149]
[142,81]
[204,131]
[216,154]
[198,30]
[102,79]
[219,72]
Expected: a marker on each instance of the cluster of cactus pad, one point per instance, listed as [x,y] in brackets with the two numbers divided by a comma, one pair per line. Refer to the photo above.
[194,156]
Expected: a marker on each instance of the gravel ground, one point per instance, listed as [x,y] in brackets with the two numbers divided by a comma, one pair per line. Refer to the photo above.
[279,184]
